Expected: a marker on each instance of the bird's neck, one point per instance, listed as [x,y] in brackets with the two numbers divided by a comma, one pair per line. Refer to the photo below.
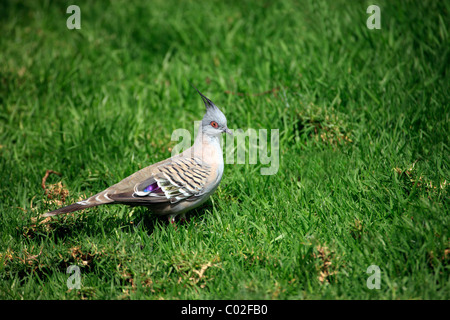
[207,147]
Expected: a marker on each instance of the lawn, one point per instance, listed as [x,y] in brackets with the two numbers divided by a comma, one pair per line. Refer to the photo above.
[364,170]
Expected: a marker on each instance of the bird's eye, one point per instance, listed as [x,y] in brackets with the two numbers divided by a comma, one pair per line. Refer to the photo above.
[214,124]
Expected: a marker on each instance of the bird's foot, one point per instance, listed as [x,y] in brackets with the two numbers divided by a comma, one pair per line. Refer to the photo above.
[172,220]
[183,218]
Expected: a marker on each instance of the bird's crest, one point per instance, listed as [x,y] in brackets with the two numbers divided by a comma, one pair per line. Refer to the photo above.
[208,103]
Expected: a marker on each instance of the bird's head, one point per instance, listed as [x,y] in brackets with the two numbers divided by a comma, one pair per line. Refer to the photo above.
[214,123]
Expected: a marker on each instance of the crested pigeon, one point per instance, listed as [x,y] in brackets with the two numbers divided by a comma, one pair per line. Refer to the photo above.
[176,185]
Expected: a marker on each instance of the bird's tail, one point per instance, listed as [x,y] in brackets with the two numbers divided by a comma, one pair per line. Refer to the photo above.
[70,208]
[96,200]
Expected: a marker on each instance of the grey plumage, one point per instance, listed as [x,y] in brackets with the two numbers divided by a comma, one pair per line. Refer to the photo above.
[175,185]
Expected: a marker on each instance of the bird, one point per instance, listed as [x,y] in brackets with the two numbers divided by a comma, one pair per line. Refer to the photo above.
[176,185]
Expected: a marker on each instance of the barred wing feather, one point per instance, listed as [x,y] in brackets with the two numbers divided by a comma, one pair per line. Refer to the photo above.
[180,179]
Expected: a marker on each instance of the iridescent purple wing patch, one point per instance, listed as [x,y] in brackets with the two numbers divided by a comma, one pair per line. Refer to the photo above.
[152,188]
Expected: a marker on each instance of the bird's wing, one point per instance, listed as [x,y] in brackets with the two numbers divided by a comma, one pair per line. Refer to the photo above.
[179,179]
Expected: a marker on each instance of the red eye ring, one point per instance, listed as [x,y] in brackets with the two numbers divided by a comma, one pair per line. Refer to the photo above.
[214,124]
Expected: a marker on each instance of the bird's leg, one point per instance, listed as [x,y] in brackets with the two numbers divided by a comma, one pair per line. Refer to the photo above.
[183,218]
[139,223]
[172,219]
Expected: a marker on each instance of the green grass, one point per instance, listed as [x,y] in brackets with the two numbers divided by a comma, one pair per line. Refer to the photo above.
[364,149]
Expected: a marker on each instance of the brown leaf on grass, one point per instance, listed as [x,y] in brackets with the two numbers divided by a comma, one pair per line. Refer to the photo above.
[85,258]
[323,125]
[435,258]
[37,225]
[202,270]
[446,256]
[44,178]
[326,268]
[357,229]
[45,223]
[201,274]
[56,193]
[192,270]
[127,276]
[21,72]
[28,258]
[148,282]
[277,289]
[412,180]
[6,256]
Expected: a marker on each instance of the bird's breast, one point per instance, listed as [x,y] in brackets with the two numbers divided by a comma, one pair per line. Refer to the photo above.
[212,155]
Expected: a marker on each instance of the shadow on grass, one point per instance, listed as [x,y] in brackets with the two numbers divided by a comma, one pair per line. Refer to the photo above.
[72,225]
[67,243]
[150,221]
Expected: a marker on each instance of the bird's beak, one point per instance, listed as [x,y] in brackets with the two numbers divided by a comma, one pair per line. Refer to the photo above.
[228,131]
